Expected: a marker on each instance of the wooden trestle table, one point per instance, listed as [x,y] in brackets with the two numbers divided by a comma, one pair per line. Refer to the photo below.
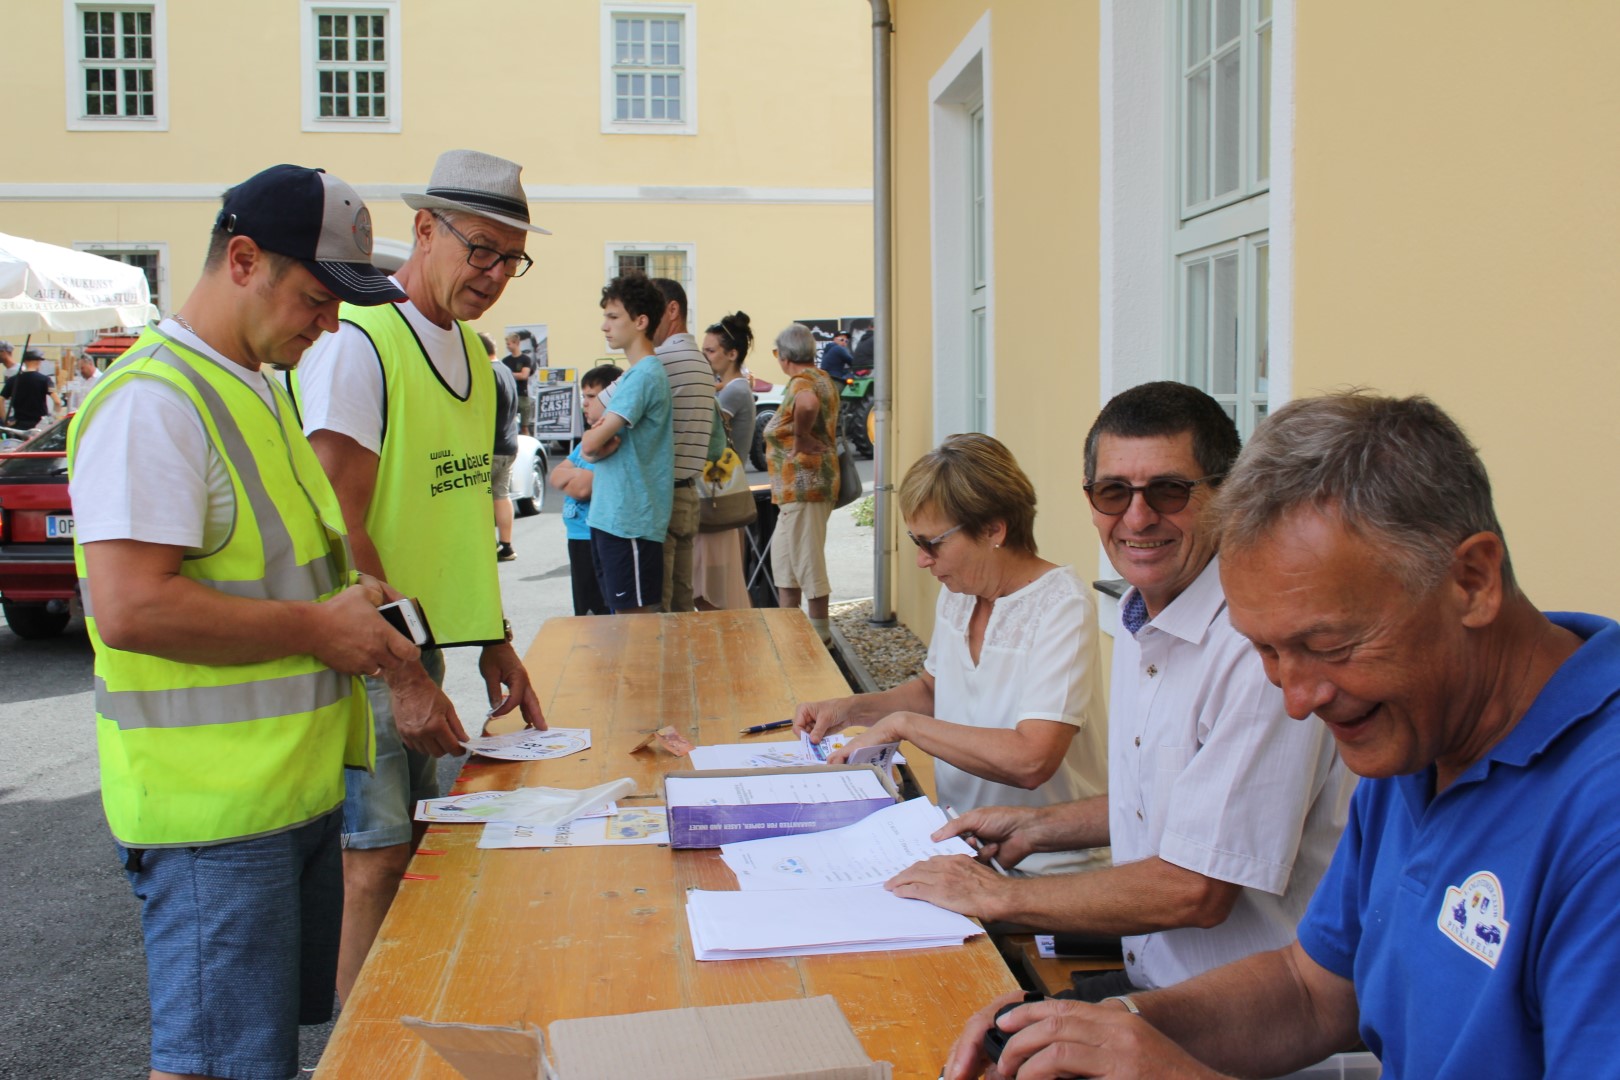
[531,936]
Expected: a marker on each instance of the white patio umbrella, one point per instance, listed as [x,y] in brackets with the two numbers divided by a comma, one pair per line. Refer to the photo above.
[45,287]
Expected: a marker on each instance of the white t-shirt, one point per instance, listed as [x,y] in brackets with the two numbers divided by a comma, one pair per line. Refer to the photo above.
[340,379]
[145,468]
[1207,771]
[76,389]
[1039,661]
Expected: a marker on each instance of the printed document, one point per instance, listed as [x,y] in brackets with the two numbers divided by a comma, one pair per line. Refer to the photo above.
[869,852]
[745,925]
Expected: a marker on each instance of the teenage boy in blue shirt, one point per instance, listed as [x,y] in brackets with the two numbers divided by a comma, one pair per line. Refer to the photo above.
[633,449]
[574,477]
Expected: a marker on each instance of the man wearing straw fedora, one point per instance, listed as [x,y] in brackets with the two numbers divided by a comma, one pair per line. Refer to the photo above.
[399,404]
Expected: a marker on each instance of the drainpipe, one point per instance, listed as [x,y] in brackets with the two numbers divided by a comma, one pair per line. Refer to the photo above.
[883,312]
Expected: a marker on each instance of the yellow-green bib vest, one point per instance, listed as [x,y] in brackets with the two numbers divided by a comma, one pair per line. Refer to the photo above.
[430,510]
[195,754]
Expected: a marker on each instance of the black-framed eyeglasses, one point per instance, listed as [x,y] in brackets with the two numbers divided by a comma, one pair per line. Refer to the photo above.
[1166,496]
[480,257]
[931,547]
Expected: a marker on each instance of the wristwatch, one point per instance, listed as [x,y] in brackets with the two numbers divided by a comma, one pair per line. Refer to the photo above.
[506,625]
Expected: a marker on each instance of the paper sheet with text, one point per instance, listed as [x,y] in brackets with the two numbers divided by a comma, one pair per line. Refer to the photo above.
[869,852]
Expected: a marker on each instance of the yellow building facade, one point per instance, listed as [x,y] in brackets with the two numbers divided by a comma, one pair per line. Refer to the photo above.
[1269,199]
[725,142]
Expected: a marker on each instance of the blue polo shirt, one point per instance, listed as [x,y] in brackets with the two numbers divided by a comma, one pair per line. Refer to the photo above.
[1481,927]
[633,490]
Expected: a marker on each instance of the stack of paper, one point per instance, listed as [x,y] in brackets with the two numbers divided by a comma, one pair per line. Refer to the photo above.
[869,852]
[823,893]
[748,925]
[775,754]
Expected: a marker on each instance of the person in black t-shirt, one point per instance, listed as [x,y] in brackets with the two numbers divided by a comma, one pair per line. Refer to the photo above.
[29,393]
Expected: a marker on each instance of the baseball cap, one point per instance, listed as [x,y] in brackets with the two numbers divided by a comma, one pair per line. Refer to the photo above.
[312,216]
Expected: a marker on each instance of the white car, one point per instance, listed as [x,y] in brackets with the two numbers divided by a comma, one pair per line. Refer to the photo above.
[529,470]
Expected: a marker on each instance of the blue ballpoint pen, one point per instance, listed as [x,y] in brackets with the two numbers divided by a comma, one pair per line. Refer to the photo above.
[774,725]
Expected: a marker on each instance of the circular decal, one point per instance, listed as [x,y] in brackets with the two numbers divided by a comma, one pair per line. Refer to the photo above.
[362,231]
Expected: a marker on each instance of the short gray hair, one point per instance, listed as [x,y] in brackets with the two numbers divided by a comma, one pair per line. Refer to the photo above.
[796,344]
[1396,469]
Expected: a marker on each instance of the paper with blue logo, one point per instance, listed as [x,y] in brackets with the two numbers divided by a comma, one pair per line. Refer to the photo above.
[869,852]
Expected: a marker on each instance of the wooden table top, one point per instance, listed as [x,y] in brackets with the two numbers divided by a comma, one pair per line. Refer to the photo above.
[531,936]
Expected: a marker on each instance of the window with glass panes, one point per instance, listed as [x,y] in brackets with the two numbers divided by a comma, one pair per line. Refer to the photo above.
[1223,54]
[654,264]
[117,59]
[351,65]
[649,69]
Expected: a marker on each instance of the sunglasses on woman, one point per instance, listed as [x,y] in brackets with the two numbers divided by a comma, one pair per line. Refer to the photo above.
[1112,497]
[930,547]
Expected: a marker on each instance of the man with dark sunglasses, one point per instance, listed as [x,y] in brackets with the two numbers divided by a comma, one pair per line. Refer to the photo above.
[1221,811]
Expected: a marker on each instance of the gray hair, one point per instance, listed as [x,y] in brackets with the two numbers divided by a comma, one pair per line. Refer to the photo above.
[1396,469]
[796,344]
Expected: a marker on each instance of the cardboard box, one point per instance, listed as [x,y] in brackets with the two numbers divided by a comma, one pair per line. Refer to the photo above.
[707,826]
[800,1039]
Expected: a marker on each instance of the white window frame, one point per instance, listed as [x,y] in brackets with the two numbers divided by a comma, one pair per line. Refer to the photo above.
[113,248]
[964,376]
[309,84]
[688,124]
[1249,182]
[610,264]
[73,65]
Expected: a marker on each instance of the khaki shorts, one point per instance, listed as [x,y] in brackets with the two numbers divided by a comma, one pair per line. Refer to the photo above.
[799,548]
[500,475]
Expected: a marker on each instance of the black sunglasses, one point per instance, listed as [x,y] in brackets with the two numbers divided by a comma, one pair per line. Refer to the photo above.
[1112,497]
[931,547]
[480,257]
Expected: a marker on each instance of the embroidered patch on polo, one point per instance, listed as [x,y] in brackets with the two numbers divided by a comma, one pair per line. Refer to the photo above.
[1474,915]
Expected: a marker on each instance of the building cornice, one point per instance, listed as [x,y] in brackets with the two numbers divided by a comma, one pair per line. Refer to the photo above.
[538,193]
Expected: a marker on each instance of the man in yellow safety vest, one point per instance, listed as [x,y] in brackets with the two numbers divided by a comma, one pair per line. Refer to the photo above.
[230,631]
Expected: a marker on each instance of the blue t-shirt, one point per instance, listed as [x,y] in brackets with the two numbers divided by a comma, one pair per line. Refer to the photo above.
[1480,927]
[634,487]
[576,512]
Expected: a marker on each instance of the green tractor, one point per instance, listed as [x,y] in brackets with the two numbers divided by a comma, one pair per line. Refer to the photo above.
[855,413]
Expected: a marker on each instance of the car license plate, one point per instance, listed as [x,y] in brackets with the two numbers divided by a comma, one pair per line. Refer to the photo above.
[58,526]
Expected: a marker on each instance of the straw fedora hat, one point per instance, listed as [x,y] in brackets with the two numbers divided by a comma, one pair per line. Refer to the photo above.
[476,183]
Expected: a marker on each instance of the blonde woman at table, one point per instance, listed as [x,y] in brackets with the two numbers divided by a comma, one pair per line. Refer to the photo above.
[1009,702]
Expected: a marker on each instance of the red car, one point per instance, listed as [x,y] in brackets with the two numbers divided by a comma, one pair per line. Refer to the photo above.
[38,583]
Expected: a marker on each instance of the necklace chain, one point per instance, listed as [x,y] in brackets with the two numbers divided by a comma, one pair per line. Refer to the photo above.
[181,319]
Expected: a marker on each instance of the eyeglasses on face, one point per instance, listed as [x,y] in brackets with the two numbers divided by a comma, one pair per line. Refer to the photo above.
[1166,496]
[931,547]
[480,257]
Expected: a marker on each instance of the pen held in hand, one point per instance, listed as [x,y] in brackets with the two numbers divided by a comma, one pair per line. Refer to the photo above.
[973,841]
[757,729]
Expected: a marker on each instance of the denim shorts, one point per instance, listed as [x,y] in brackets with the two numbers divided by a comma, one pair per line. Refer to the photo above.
[378,805]
[241,948]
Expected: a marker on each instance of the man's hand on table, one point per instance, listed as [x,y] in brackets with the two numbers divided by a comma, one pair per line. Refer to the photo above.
[1008,834]
[1052,1039]
[955,882]
[501,667]
[426,720]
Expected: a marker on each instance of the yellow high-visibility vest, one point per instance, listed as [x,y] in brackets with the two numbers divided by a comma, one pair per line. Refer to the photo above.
[429,516]
[194,754]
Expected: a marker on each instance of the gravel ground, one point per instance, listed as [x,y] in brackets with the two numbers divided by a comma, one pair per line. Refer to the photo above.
[891,654]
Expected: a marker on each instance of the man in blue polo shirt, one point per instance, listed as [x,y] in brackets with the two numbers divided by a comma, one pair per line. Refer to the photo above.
[1465,927]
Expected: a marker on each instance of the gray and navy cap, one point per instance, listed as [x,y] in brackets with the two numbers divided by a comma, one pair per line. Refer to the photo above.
[312,216]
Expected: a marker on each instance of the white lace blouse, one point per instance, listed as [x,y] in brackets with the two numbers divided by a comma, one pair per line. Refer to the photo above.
[1039,661]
